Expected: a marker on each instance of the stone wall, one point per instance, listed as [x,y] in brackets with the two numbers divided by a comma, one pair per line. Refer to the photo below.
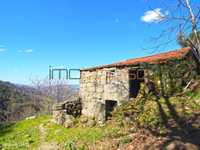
[168,77]
[95,89]
[65,113]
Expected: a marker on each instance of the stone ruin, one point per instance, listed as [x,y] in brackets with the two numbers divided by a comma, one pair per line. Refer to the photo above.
[102,88]
[105,87]
[64,113]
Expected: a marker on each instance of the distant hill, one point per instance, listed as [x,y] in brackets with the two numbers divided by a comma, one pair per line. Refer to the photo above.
[19,101]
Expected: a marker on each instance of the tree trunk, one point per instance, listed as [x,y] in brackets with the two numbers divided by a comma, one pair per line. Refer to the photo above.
[196,47]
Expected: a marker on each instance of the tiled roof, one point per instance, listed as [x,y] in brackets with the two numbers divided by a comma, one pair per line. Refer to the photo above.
[158,58]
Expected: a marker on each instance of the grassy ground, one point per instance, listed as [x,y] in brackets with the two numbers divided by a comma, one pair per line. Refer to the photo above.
[78,137]
[26,134]
[159,122]
[152,112]
[161,115]
[21,135]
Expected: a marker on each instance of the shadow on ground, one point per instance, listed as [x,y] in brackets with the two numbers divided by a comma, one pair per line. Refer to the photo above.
[186,130]
[6,128]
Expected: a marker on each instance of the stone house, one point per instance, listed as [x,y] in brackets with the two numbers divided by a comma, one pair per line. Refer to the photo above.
[104,87]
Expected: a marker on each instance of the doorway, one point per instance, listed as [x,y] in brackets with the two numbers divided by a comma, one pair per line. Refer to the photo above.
[110,106]
[136,76]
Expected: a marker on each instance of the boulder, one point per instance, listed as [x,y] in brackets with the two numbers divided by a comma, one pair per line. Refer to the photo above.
[191,146]
[91,123]
[58,116]
[83,119]
[171,146]
[175,145]
[69,121]
[65,112]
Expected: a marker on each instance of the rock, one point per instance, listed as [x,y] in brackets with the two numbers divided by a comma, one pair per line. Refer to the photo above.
[132,130]
[91,123]
[130,147]
[171,146]
[30,118]
[190,146]
[83,119]
[58,116]
[175,145]
[69,121]
[72,108]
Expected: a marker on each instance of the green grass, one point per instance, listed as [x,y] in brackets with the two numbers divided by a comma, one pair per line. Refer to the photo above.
[21,135]
[25,134]
[78,135]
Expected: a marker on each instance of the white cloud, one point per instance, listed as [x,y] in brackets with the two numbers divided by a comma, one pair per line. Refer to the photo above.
[26,51]
[29,50]
[154,16]
[2,49]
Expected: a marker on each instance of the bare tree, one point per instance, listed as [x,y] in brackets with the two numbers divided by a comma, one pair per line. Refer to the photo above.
[58,90]
[182,22]
[192,18]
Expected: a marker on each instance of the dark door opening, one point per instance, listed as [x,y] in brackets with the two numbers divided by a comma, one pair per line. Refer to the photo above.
[136,76]
[110,106]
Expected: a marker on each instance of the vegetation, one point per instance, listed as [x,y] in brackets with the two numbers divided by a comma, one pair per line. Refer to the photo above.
[18,102]
[173,118]
[26,134]
[185,41]
[149,114]
[165,117]
[21,135]
[127,119]
[78,136]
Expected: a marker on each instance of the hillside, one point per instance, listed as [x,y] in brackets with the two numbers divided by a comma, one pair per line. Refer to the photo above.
[172,123]
[19,101]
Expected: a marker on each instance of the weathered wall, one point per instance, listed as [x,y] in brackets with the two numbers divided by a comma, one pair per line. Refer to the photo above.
[94,89]
[168,77]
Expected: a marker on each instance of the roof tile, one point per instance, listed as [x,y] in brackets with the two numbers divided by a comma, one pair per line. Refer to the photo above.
[157,58]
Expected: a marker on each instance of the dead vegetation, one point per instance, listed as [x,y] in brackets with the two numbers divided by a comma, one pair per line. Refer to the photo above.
[170,123]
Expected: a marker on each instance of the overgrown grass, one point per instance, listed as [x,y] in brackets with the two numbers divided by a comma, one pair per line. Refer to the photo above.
[21,135]
[78,136]
[152,113]
[26,134]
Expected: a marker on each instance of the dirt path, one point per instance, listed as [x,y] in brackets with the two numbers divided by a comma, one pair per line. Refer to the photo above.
[43,144]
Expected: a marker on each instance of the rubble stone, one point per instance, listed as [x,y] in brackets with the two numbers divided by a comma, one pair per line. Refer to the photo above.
[70,110]
[69,121]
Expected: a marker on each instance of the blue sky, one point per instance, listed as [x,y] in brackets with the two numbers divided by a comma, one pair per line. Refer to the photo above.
[73,33]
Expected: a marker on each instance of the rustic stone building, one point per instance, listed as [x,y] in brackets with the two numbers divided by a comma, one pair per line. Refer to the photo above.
[104,87]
